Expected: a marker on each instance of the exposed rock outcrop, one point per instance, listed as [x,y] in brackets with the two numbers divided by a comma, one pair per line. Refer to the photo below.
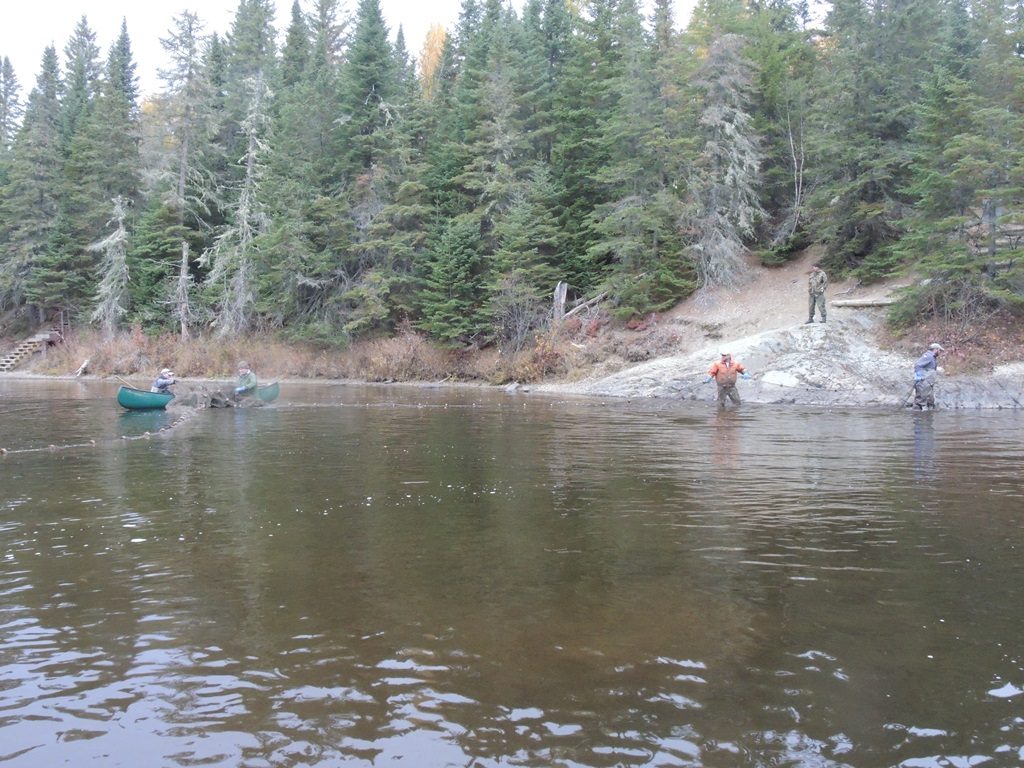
[831,364]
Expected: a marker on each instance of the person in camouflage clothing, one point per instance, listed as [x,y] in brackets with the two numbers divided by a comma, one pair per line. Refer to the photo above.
[816,285]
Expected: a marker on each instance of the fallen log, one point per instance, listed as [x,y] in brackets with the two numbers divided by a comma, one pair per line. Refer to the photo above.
[587,304]
[854,303]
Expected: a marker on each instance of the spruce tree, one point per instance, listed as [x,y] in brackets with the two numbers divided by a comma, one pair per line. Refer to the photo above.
[112,290]
[187,184]
[10,107]
[724,190]
[29,199]
[295,53]
[585,97]
[233,258]
[81,81]
[637,231]
[453,301]
[525,267]
[872,75]
[368,92]
[371,101]
[102,164]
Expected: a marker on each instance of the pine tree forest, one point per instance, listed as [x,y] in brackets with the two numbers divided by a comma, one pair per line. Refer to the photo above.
[329,185]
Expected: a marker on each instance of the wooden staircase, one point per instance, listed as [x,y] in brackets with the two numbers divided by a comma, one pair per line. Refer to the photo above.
[27,348]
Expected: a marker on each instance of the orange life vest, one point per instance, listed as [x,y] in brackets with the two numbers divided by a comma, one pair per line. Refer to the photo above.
[726,373]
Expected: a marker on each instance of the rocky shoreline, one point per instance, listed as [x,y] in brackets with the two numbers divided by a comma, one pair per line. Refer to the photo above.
[831,364]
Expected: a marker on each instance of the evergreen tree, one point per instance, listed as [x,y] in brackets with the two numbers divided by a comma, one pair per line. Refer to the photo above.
[311,228]
[102,163]
[525,265]
[585,97]
[187,183]
[10,107]
[112,290]
[249,57]
[496,143]
[233,258]
[872,76]
[453,300]
[62,272]
[368,92]
[371,94]
[297,48]
[121,70]
[725,186]
[637,232]
[29,201]
[81,82]
[251,50]
[784,58]
[966,175]
[397,237]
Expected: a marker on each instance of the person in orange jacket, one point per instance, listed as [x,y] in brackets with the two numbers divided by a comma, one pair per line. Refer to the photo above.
[724,372]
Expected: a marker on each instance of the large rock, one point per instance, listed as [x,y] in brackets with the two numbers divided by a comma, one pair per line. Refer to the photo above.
[833,364]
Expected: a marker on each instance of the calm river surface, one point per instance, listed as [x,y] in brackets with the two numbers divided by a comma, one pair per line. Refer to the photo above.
[394,576]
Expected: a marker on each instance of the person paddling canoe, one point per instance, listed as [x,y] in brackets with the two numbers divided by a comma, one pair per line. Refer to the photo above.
[246,381]
[163,382]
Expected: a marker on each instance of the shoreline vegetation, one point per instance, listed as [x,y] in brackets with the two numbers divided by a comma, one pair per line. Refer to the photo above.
[856,359]
[852,361]
[408,357]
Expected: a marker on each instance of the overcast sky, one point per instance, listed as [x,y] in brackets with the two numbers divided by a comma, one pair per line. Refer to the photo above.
[30,25]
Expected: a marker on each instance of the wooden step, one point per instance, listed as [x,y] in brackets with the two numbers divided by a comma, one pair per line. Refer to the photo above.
[25,349]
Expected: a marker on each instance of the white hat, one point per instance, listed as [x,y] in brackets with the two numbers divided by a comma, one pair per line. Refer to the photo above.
[936,345]
[167,372]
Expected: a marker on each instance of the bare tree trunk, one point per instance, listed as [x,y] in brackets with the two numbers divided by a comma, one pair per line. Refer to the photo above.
[184,310]
[560,293]
[796,152]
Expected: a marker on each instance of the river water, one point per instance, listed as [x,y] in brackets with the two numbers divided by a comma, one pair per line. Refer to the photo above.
[399,576]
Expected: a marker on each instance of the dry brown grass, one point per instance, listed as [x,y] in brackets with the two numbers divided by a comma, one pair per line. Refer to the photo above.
[976,348]
[552,355]
[406,357]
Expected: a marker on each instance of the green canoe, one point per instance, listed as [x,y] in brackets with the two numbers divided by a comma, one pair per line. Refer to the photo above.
[141,400]
[269,393]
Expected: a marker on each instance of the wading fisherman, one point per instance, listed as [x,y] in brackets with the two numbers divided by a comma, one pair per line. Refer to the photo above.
[925,371]
[724,372]
[163,382]
[816,285]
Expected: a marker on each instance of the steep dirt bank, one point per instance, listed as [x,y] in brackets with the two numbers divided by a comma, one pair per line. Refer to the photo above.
[841,362]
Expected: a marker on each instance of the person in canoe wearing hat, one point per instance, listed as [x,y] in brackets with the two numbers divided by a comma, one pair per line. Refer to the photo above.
[246,384]
[163,382]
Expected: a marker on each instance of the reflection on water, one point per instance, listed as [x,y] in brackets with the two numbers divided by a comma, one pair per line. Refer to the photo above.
[135,423]
[924,445]
[374,576]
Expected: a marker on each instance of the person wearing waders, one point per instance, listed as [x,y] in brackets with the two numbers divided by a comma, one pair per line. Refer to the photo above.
[724,372]
[925,371]
[816,285]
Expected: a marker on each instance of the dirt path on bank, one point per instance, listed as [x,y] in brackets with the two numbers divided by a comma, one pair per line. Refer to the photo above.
[770,299]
